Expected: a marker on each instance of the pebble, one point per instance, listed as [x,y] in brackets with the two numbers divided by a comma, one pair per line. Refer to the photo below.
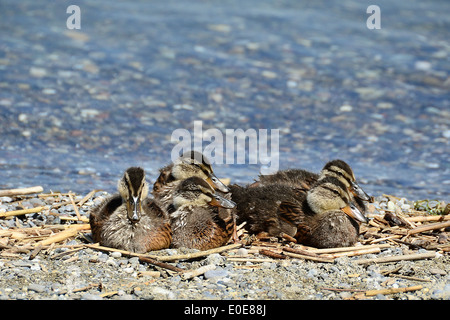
[346,108]
[37,288]
[216,273]
[38,72]
[116,254]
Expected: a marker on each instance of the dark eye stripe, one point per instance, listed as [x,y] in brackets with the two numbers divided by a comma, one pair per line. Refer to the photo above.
[332,190]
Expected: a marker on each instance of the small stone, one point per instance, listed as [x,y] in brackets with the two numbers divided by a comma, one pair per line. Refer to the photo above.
[36,287]
[422,65]
[291,84]
[90,296]
[385,105]
[215,259]
[216,273]
[38,72]
[128,270]
[116,254]
[437,271]
[242,252]
[48,91]
[346,108]
[269,74]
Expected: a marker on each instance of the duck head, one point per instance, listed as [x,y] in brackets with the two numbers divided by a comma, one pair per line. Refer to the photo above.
[133,188]
[196,191]
[330,194]
[342,171]
[194,164]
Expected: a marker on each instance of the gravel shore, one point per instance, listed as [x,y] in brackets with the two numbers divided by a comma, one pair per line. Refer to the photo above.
[69,270]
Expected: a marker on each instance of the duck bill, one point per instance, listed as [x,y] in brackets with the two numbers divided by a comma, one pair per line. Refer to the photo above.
[215,183]
[359,192]
[134,209]
[354,213]
[219,201]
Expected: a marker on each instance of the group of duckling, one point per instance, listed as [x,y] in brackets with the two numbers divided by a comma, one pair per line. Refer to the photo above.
[190,207]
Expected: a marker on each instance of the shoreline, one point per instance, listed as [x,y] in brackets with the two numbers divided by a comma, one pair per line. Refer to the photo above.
[46,253]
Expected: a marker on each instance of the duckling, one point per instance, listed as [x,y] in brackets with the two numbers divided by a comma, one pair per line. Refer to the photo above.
[329,218]
[190,164]
[259,207]
[196,221]
[280,209]
[129,220]
[304,179]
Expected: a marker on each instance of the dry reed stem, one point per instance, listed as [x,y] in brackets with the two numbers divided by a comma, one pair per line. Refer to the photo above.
[346,249]
[194,273]
[428,218]
[199,254]
[65,234]
[429,227]
[21,212]
[414,256]
[305,257]
[20,191]
[75,207]
[370,293]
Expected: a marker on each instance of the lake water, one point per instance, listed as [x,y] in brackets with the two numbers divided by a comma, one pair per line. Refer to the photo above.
[77,107]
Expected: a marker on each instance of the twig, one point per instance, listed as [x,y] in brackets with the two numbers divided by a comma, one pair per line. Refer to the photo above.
[65,253]
[344,289]
[414,256]
[354,248]
[75,207]
[272,254]
[92,285]
[152,259]
[108,294]
[428,218]
[301,256]
[429,227]
[81,218]
[392,290]
[353,253]
[124,252]
[20,212]
[63,235]
[87,197]
[35,252]
[20,191]
[198,254]
[194,273]
[409,278]
[161,264]
[253,260]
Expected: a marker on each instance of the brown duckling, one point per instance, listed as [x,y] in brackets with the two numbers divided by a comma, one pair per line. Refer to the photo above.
[196,220]
[259,207]
[129,220]
[304,179]
[190,164]
[280,210]
[328,216]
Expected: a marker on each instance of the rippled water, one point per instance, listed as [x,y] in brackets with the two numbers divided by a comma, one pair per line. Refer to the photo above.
[79,106]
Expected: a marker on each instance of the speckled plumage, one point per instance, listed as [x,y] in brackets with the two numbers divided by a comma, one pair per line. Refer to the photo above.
[190,164]
[196,222]
[303,180]
[115,230]
[315,217]
[113,225]
[259,207]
